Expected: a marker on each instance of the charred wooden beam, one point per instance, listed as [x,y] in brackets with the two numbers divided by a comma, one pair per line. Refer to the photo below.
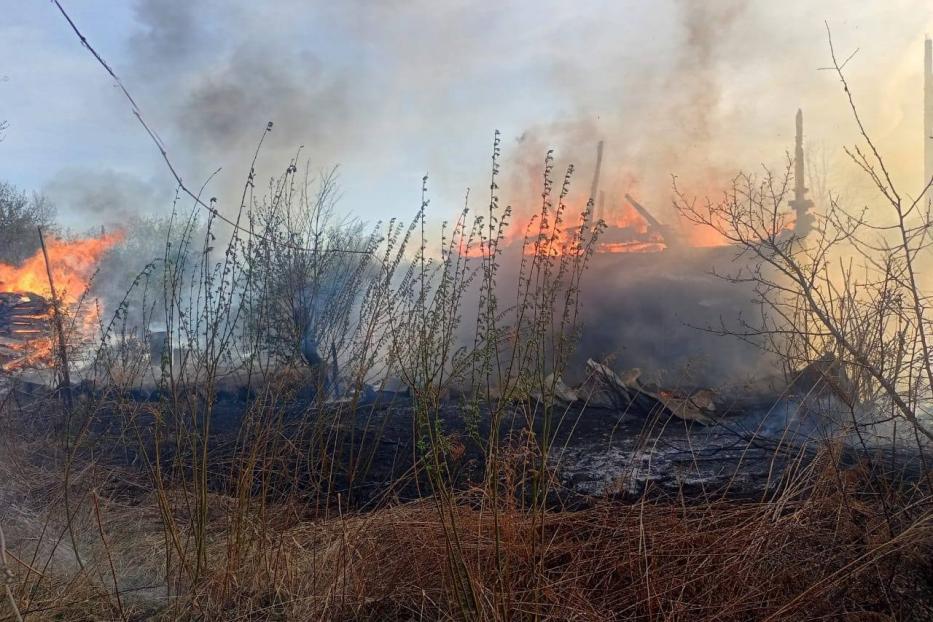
[667,233]
[25,329]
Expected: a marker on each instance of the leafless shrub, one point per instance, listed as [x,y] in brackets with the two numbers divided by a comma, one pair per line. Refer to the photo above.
[20,215]
[850,290]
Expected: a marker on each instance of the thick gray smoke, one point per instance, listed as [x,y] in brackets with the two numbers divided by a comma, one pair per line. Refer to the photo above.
[695,84]
[652,311]
[256,82]
[105,198]
[669,118]
[664,313]
[390,90]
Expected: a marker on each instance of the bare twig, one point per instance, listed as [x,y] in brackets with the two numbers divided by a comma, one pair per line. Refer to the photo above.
[6,575]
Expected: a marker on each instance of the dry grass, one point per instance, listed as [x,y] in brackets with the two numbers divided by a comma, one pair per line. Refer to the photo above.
[835,550]
[831,554]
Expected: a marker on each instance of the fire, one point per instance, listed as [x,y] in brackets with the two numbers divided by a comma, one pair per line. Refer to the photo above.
[72,264]
[625,217]
[632,247]
[626,232]
[552,243]
[700,236]
[26,309]
[629,227]
[25,330]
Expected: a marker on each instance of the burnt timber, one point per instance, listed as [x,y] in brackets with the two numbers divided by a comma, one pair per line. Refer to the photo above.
[24,319]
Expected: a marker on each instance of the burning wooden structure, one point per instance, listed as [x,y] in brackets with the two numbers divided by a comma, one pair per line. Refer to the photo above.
[25,329]
[26,317]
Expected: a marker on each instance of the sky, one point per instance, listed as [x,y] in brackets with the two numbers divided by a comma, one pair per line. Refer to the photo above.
[391,90]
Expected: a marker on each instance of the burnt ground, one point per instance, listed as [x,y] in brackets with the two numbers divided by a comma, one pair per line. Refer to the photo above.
[374,451]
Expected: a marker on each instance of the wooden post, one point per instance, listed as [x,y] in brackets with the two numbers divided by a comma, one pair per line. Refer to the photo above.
[336,373]
[59,328]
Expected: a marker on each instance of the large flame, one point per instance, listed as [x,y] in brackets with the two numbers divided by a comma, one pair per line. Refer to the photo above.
[626,231]
[72,264]
[624,216]
[26,312]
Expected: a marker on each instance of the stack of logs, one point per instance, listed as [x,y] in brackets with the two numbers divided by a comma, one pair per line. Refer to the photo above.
[25,329]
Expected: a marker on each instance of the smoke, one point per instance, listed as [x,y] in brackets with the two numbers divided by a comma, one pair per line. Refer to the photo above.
[668,118]
[390,90]
[653,311]
[650,310]
[695,83]
[661,312]
[209,76]
[92,198]
[253,83]
[169,35]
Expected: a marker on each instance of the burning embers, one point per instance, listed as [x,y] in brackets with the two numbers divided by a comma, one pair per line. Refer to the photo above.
[26,306]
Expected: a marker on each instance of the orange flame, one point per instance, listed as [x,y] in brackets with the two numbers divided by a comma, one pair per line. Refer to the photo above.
[627,231]
[27,339]
[72,263]
[621,222]
[624,216]
[632,247]
[552,243]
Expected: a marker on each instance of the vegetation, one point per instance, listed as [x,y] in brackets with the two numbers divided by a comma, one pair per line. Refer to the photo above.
[122,504]
[20,215]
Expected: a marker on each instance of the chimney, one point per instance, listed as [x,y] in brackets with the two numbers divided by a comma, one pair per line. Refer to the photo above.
[800,204]
[927,111]
[594,188]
